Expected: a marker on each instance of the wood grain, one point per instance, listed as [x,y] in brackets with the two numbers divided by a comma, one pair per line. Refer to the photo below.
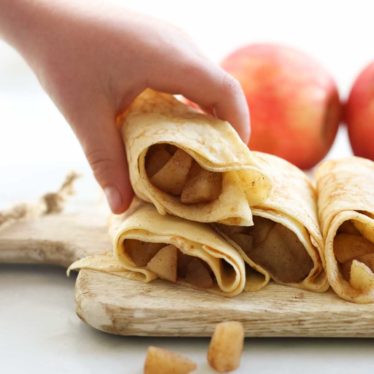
[120,306]
[125,307]
[56,239]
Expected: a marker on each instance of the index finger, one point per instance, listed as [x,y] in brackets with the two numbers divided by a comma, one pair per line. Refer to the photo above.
[211,87]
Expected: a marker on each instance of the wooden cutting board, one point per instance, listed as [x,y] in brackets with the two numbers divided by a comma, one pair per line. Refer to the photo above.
[119,306]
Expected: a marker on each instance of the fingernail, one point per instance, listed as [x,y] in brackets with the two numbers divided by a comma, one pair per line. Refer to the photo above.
[114,198]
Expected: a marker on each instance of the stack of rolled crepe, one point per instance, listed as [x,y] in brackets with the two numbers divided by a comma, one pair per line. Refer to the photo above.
[148,245]
[194,170]
[207,190]
[346,212]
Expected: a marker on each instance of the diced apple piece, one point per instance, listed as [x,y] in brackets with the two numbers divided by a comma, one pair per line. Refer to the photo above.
[366,230]
[202,186]
[156,158]
[171,148]
[244,241]
[368,260]
[172,177]
[141,252]
[164,263]
[362,278]
[348,228]
[345,269]
[350,246]
[198,275]
[230,230]
[226,346]
[261,229]
[283,255]
[183,261]
[161,361]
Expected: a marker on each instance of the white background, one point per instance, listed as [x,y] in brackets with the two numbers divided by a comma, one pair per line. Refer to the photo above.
[39,331]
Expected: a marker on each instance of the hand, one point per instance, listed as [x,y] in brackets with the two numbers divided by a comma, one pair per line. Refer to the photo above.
[94,60]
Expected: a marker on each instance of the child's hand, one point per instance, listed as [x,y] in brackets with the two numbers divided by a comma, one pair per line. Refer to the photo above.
[93,61]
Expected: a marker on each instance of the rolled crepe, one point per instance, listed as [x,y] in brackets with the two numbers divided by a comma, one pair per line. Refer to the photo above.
[148,246]
[189,164]
[285,243]
[346,211]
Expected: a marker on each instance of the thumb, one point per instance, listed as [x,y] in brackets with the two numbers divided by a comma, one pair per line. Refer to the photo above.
[103,146]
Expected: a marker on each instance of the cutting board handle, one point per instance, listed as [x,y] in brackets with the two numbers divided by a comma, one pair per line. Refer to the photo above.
[55,239]
[44,233]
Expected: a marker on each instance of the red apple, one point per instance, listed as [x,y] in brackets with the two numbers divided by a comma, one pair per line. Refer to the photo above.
[293,101]
[359,114]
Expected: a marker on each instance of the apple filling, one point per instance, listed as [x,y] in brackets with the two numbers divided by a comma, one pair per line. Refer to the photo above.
[169,263]
[349,245]
[274,247]
[175,172]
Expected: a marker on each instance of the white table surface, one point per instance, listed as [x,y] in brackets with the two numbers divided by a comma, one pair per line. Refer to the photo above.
[39,331]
